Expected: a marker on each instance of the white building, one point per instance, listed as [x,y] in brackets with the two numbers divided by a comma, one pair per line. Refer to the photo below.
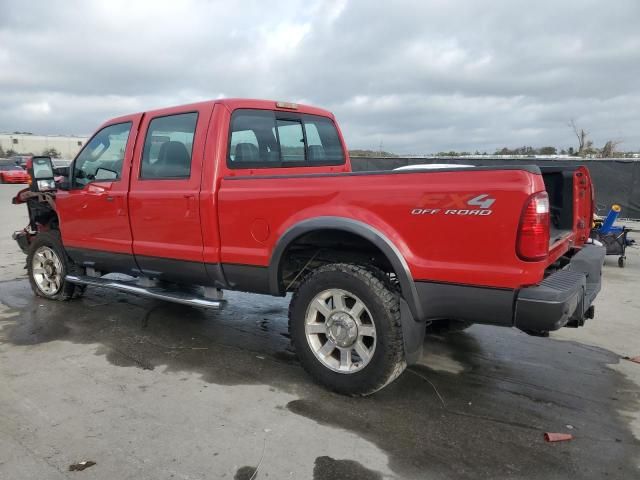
[67,146]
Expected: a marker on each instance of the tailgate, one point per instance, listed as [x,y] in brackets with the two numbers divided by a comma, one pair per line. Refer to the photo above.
[571,203]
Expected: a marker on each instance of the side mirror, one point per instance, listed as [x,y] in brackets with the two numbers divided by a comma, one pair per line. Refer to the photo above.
[61,171]
[41,171]
[62,176]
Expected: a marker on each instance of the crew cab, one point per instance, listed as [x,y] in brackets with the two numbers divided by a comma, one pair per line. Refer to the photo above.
[259,196]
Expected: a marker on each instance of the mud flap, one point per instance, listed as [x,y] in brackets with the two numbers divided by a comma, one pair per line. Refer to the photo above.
[412,334]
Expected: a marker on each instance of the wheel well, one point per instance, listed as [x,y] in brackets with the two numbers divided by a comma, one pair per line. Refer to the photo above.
[324,246]
[42,215]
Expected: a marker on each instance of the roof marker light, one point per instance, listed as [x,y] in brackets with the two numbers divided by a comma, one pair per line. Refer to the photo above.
[287,105]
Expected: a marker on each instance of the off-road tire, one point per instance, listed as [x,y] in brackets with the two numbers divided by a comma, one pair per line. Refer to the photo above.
[52,240]
[370,286]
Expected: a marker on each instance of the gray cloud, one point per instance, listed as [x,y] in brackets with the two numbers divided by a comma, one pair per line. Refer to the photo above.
[419,76]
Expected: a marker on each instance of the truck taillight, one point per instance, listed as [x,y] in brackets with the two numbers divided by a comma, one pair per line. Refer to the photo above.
[533,232]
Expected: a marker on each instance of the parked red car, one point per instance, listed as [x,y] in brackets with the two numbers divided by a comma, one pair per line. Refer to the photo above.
[259,196]
[13,174]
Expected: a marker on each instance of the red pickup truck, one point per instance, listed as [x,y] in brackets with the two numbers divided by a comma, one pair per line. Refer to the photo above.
[259,196]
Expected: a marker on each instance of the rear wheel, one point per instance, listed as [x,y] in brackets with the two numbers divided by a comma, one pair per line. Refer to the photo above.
[345,327]
[47,265]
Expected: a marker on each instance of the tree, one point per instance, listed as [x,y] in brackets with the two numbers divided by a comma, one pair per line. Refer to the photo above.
[524,150]
[504,151]
[10,153]
[582,135]
[51,152]
[548,151]
[371,153]
[588,149]
[609,149]
[1,152]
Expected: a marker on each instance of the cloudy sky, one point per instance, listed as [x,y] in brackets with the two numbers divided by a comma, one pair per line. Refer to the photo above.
[419,76]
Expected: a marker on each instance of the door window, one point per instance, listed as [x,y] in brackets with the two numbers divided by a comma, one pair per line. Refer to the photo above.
[168,146]
[103,156]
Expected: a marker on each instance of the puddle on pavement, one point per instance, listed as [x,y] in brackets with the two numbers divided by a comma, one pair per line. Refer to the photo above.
[482,414]
[327,468]
[245,473]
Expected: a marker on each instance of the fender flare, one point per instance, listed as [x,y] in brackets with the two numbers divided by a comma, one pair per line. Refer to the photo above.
[356,227]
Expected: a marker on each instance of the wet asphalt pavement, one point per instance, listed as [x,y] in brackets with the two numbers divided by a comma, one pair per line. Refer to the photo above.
[479,411]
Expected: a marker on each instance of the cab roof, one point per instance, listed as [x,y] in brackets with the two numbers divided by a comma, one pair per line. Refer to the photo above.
[235,103]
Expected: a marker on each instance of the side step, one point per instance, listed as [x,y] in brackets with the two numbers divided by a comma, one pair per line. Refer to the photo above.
[176,296]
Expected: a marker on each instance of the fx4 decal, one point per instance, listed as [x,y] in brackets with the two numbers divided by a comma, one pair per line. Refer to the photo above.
[455,204]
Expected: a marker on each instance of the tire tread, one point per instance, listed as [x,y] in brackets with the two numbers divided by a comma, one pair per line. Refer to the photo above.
[52,239]
[379,285]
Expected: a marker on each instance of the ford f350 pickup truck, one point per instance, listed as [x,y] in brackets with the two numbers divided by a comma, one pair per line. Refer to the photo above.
[258,196]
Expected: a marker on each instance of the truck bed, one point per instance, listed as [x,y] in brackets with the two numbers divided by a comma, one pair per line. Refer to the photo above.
[452,244]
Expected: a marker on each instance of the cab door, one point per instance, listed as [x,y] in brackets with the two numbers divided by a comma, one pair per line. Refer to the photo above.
[94,220]
[164,197]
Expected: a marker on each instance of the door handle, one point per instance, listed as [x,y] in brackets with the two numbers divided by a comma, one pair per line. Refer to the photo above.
[120,204]
[189,198]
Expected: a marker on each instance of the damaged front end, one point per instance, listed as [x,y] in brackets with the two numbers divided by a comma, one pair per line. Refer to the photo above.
[40,199]
[42,215]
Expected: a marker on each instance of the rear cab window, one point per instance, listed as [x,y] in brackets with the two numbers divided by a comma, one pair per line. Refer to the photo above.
[271,139]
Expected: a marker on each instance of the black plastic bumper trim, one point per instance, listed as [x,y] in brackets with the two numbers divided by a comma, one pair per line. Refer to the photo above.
[563,296]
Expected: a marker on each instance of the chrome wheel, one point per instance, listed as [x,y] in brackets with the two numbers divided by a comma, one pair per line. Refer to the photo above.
[47,270]
[340,331]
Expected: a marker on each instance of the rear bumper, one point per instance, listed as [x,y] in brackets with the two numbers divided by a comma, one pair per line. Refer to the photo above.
[564,297]
[561,299]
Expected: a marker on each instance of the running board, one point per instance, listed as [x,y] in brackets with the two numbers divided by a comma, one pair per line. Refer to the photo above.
[176,296]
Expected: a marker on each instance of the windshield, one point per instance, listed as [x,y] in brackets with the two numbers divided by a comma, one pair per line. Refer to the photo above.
[9,168]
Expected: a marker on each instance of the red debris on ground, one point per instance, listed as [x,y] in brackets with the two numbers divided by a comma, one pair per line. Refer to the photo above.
[557,437]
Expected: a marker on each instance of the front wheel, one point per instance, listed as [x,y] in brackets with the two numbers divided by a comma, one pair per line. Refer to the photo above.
[47,266]
[345,327]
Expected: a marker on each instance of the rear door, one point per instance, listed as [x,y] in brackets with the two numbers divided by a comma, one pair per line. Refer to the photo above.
[164,198]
